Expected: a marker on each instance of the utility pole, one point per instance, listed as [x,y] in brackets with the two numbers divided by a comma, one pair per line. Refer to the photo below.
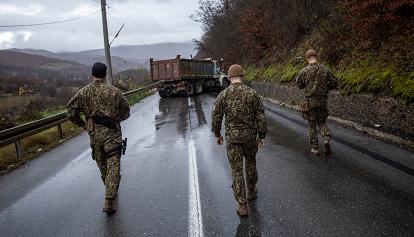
[109,78]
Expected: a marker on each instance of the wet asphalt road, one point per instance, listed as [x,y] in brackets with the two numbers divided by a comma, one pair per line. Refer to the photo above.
[176,182]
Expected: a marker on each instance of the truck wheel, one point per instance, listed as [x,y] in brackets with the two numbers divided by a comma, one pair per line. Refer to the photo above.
[199,87]
[164,94]
[189,89]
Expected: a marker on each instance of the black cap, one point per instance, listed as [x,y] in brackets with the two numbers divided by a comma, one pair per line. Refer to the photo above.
[99,70]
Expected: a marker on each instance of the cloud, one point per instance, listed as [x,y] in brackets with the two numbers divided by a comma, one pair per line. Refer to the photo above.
[82,10]
[9,38]
[6,39]
[24,35]
[30,10]
[146,22]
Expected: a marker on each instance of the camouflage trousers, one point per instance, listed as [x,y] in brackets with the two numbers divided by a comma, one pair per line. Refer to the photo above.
[110,168]
[317,117]
[235,153]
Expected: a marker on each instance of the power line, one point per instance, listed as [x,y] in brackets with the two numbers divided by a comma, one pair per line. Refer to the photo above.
[117,34]
[49,23]
[99,2]
[137,26]
[126,28]
[134,35]
[154,22]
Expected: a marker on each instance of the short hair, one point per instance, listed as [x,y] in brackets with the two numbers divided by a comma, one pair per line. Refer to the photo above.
[99,70]
[311,53]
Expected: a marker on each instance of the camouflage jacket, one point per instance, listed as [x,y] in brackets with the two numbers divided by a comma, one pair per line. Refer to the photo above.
[99,99]
[244,114]
[317,80]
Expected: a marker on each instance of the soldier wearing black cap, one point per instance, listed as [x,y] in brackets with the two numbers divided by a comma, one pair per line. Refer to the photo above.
[104,108]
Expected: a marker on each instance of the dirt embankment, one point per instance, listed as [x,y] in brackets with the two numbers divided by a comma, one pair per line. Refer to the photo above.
[384,114]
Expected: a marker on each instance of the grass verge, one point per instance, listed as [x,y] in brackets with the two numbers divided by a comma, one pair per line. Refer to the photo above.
[34,146]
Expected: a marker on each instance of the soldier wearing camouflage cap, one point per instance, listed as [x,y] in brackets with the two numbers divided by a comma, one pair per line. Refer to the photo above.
[317,81]
[104,108]
[245,124]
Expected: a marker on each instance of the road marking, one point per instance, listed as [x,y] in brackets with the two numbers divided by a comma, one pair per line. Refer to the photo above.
[85,153]
[195,220]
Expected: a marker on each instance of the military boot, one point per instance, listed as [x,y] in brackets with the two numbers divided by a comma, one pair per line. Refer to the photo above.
[252,195]
[109,206]
[242,210]
[328,150]
[315,151]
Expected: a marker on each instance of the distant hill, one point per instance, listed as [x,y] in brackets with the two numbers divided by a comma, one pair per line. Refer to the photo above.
[18,64]
[156,51]
[123,57]
[118,64]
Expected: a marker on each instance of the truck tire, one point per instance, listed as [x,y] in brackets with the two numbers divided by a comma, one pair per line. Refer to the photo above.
[199,88]
[189,89]
[164,94]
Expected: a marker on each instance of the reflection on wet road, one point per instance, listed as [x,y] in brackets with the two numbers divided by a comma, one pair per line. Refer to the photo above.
[176,182]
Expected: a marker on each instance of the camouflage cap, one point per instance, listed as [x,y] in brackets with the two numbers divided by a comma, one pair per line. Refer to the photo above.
[311,53]
[235,70]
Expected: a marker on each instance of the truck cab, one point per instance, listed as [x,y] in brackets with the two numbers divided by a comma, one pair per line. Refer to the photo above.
[219,73]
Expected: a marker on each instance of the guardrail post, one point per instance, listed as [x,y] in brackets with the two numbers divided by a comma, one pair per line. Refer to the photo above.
[18,149]
[59,127]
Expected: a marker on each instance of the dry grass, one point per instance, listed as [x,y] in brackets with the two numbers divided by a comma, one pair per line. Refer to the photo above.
[13,102]
[35,145]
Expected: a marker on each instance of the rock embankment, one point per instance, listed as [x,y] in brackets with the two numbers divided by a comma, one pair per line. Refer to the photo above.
[383,114]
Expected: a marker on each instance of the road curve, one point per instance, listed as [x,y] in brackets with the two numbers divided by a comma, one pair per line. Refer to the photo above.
[176,182]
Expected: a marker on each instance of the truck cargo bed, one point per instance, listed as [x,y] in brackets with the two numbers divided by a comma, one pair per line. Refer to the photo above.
[181,69]
[187,76]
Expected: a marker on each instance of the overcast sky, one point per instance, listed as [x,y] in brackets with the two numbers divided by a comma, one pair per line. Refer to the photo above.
[147,22]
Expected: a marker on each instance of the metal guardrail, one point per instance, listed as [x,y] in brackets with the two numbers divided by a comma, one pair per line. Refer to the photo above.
[15,134]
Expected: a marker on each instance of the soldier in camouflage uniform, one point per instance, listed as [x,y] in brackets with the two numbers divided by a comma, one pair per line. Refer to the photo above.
[317,81]
[104,108]
[245,124]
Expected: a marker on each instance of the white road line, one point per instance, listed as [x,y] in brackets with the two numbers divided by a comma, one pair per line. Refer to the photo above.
[81,156]
[195,220]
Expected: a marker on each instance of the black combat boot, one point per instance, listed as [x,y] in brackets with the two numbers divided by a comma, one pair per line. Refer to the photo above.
[109,206]
[328,150]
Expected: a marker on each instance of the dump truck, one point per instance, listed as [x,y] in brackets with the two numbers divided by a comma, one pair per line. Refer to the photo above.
[187,77]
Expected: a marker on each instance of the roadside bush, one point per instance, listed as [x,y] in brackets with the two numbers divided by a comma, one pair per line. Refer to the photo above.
[5,122]
[31,111]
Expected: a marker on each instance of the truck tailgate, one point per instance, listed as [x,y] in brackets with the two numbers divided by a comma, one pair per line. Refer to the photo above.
[165,70]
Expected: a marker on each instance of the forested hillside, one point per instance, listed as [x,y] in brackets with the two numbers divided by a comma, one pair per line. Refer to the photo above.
[367,43]
[34,86]
[38,73]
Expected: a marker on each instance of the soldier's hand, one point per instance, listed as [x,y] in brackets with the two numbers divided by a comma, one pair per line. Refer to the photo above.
[260,142]
[219,140]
